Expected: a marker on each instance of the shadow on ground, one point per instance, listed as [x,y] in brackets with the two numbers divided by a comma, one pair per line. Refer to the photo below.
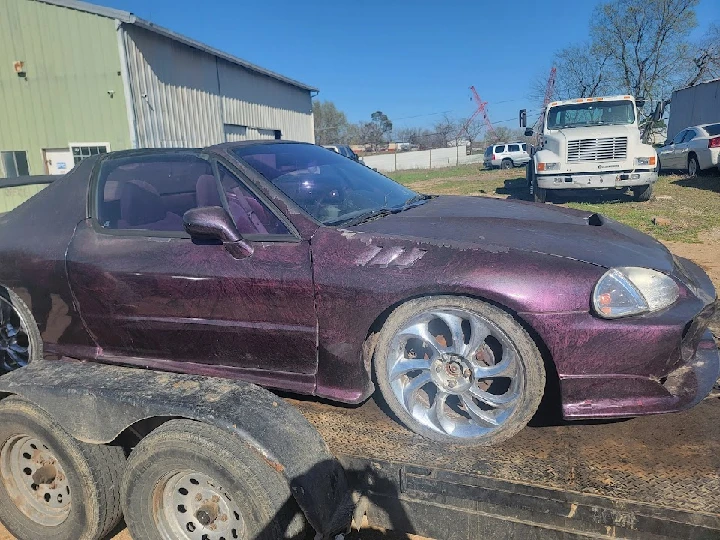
[517,189]
[710,183]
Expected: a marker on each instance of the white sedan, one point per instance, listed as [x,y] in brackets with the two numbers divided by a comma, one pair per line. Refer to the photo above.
[694,149]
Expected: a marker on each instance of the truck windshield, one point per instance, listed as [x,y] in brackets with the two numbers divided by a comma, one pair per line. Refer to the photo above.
[595,113]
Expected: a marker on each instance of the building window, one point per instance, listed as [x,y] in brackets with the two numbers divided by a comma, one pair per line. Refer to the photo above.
[13,164]
[82,151]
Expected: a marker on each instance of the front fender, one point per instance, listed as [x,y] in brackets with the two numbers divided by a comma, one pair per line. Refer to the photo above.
[95,403]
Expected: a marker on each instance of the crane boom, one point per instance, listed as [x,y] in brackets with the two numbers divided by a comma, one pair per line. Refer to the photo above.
[480,110]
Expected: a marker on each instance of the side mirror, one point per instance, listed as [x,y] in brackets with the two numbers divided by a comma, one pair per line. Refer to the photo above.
[640,102]
[212,223]
[529,132]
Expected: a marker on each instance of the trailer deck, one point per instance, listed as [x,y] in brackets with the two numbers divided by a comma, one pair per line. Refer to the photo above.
[645,478]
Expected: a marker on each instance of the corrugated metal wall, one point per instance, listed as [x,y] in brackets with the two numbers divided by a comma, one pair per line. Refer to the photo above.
[693,106]
[71,62]
[185,97]
[12,197]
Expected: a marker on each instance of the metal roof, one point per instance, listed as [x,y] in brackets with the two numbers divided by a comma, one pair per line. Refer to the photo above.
[128,18]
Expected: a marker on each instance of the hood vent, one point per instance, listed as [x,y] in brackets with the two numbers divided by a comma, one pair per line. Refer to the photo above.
[595,220]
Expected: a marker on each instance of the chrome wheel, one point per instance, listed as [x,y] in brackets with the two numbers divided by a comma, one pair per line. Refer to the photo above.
[35,480]
[455,372]
[692,167]
[14,341]
[191,505]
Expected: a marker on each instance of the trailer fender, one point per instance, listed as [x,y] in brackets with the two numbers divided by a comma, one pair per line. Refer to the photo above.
[96,402]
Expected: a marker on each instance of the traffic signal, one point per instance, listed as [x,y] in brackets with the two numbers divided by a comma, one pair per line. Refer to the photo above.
[523,118]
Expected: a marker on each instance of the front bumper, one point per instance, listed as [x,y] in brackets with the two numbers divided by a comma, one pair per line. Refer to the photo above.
[657,363]
[615,179]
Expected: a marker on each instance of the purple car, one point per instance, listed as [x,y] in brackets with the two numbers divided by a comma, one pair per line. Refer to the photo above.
[290,266]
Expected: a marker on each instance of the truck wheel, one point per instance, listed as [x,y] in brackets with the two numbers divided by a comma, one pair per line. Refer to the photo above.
[693,168]
[20,341]
[458,370]
[188,480]
[506,164]
[539,194]
[643,193]
[51,485]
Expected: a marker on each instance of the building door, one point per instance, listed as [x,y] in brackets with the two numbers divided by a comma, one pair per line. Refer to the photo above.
[57,160]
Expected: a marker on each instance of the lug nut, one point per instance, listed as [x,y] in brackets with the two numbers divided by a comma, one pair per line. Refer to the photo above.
[451,384]
[198,497]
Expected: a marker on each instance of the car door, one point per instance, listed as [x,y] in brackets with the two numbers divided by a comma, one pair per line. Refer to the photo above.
[682,149]
[151,295]
[669,159]
[515,154]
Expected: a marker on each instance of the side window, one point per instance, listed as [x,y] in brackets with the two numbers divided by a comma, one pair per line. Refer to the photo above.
[524,147]
[679,137]
[13,164]
[499,149]
[251,216]
[150,192]
[514,148]
[690,135]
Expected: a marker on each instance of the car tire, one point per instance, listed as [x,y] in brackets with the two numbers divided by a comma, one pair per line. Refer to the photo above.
[643,193]
[20,340]
[36,453]
[506,164]
[174,477]
[693,168]
[457,415]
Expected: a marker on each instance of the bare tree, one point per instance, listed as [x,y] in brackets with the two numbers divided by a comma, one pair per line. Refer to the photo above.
[581,72]
[707,57]
[331,124]
[446,130]
[645,42]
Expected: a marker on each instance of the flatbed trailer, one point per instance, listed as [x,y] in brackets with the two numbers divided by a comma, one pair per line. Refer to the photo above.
[651,478]
[643,478]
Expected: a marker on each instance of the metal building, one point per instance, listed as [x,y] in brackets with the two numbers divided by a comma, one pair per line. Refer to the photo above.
[695,105]
[78,79]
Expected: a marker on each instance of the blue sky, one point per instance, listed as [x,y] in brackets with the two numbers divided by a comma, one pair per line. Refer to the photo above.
[406,58]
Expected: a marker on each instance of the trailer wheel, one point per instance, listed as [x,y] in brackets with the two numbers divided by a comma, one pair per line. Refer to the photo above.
[51,485]
[20,341]
[643,193]
[458,370]
[188,480]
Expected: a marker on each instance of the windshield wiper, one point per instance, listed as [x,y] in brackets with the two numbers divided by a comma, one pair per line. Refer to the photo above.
[419,197]
[372,215]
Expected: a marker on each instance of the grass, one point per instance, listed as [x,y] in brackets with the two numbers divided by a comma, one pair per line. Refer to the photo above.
[688,206]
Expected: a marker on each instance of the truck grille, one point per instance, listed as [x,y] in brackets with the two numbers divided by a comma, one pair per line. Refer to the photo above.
[605,149]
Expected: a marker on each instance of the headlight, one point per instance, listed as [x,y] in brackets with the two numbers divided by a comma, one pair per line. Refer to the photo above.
[548,166]
[645,161]
[630,291]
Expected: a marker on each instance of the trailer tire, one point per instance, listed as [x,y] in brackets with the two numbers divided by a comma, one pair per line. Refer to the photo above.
[86,475]
[236,488]
[15,312]
[519,361]
[643,193]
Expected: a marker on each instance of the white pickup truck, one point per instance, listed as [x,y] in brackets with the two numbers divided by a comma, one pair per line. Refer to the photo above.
[591,143]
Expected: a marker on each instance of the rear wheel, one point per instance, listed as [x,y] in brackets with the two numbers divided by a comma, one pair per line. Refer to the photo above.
[187,481]
[693,168]
[20,341]
[51,485]
[506,164]
[458,370]
[643,193]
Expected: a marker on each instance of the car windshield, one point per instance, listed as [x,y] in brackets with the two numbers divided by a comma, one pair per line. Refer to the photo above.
[713,130]
[594,113]
[333,189]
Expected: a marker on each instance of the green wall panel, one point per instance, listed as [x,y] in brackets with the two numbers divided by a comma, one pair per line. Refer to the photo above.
[72,62]
[11,197]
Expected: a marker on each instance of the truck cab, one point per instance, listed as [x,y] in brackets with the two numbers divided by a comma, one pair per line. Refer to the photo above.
[592,143]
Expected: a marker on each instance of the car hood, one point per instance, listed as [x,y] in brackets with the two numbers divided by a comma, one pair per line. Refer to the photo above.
[497,224]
